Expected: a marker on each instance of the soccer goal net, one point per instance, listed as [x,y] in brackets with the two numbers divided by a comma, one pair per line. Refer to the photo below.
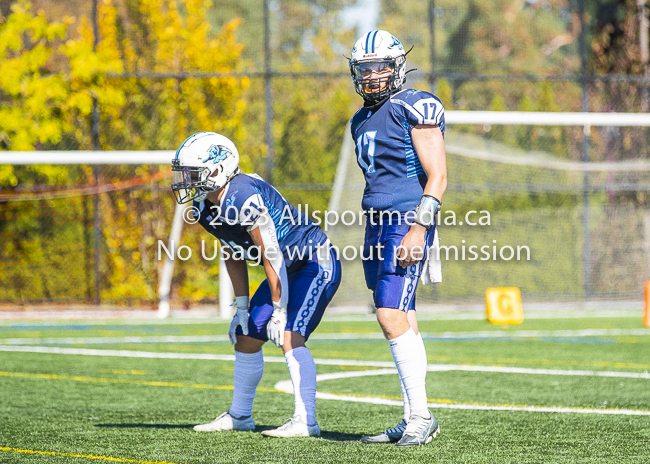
[555,204]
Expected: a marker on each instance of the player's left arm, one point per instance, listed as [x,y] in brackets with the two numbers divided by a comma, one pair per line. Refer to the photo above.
[273,273]
[262,233]
[254,215]
[430,147]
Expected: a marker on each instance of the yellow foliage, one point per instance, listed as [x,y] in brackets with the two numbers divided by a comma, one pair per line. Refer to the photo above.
[53,79]
[445,94]
[50,77]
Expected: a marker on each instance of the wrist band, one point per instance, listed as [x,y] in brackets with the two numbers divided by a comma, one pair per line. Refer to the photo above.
[279,306]
[425,213]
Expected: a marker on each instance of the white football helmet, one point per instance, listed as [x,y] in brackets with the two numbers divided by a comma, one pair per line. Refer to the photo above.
[374,54]
[205,161]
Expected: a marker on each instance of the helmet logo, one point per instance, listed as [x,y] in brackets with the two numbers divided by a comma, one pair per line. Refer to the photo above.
[396,42]
[370,55]
[217,153]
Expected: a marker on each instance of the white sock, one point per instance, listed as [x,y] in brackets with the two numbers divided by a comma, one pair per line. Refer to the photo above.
[302,370]
[249,368]
[405,401]
[424,353]
[407,350]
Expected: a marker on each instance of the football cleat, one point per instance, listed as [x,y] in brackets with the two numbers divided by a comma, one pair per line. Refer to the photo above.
[294,427]
[227,422]
[387,436]
[419,431]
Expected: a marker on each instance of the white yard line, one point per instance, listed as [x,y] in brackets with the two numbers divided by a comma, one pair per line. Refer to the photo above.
[356,314]
[486,334]
[388,369]
[321,361]
[485,407]
[114,340]
[287,387]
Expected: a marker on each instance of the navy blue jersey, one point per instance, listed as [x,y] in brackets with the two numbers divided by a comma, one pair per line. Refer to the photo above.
[244,199]
[394,176]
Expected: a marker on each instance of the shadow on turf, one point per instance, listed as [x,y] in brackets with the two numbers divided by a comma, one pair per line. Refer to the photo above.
[147,426]
[324,434]
[332,436]
[339,436]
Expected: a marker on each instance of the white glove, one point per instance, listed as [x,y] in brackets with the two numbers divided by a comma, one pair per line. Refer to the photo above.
[239,319]
[277,324]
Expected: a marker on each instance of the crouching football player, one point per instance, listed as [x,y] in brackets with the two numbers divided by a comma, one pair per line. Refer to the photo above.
[255,222]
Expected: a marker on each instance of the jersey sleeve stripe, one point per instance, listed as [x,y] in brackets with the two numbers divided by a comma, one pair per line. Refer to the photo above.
[412,110]
[438,114]
[413,166]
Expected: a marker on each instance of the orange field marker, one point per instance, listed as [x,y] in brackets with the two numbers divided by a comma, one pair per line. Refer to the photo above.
[646,307]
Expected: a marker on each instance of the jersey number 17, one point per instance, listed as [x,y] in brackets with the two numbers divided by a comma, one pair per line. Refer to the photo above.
[366,151]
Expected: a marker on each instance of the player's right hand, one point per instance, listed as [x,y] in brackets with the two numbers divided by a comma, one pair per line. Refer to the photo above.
[240,319]
[277,324]
[411,249]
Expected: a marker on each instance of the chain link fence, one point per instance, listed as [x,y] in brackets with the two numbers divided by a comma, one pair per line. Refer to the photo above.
[82,234]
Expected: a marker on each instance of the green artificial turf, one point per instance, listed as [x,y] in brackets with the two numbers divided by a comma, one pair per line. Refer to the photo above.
[142,409]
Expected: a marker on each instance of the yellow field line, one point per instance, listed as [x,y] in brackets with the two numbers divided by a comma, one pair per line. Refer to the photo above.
[214,387]
[87,456]
[122,371]
[551,362]
[124,381]
[230,387]
[474,403]
[430,400]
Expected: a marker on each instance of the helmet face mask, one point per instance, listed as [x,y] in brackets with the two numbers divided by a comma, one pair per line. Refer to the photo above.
[377,65]
[205,162]
[375,80]
[189,182]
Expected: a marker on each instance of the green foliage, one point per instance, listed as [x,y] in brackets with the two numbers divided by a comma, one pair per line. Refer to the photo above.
[445,93]
[309,146]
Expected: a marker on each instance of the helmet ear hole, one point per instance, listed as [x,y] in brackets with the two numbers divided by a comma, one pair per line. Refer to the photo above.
[217,171]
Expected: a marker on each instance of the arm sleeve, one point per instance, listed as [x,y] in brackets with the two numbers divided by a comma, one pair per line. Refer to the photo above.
[273,252]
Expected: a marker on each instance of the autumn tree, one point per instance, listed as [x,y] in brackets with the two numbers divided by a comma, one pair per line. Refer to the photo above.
[50,77]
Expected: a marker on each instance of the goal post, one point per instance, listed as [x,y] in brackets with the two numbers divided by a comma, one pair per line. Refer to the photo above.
[596,197]
[527,167]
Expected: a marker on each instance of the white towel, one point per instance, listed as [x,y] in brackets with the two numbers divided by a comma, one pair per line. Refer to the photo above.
[432,267]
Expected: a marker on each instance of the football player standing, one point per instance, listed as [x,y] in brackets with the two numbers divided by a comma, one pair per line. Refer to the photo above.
[400,148]
[255,223]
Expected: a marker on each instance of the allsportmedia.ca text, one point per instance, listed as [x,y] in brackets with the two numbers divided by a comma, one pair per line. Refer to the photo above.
[252,214]
[210,252]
